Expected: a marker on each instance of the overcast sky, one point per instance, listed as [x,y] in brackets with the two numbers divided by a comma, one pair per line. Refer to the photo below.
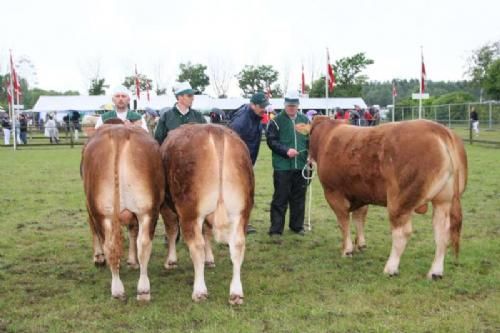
[66,40]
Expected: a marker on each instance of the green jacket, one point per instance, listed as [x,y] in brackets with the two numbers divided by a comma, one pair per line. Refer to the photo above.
[173,118]
[131,115]
[281,136]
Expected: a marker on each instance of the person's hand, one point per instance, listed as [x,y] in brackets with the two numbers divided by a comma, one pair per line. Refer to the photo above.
[292,153]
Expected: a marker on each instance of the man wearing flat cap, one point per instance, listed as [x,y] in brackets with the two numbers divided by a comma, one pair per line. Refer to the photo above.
[247,122]
[121,100]
[180,114]
[289,155]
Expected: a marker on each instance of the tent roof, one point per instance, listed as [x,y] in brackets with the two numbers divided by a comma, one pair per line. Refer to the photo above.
[201,102]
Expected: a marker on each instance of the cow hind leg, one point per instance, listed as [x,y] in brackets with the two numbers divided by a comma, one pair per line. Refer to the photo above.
[207,235]
[193,235]
[441,225]
[237,251]
[401,231]
[359,218]
[112,250]
[144,245]
[171,230]
[133,229]
[99,258]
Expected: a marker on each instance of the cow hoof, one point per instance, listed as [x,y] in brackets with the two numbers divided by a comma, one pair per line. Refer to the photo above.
[436,277]
[144,296]
[235,299]
[210,264]
[391,272]
[361,248]
[120,297]
[199,297]
[100,264]
[347,254]
[132,265]
[171,265]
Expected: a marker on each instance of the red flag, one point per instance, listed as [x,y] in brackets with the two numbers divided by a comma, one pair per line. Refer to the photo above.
[137,85]
[394,91]
[329,71]
[424,76]
[9,95]
[147,89]
[15,81]
[303,86]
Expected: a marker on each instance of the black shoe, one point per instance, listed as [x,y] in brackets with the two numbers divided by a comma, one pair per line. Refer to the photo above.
[300,232]
[251,230]
[276,238]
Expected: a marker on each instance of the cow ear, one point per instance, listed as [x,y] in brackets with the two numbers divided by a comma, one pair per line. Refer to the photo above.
[317,120]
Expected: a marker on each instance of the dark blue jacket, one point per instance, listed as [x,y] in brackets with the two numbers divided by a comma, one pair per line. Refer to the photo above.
[247,124]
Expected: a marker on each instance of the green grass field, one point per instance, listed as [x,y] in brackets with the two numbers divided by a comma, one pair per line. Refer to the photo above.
[48,282]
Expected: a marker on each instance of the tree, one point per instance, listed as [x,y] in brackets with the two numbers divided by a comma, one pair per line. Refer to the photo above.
[348,78]
[220,76]
[252,79]
[492,80]
[195,75]
[143,80]
[479,61]
[97,87]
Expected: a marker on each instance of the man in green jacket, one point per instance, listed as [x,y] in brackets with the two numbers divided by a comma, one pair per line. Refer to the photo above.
[289,155]
[180,114]
[121,100]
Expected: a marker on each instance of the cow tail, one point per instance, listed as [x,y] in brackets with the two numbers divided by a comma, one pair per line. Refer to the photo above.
[221,220]
[116,236]
[460,161]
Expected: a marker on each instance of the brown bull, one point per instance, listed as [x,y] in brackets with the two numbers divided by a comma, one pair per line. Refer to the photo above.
[401,166]
[123,183]
[210,187]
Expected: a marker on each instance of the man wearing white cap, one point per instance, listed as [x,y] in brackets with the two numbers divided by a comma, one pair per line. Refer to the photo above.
[289,155]
[121,100]
[180,114]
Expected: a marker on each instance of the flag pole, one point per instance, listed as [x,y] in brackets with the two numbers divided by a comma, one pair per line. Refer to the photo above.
[326,82]
[13,116]
[421,78]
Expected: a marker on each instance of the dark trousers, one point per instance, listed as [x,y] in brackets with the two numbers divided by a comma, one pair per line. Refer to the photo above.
[289,188]
[23,136]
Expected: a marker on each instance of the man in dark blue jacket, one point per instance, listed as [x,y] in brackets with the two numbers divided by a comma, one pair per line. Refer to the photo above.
[246,121]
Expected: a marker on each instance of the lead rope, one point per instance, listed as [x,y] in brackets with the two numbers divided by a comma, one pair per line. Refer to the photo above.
[307,174]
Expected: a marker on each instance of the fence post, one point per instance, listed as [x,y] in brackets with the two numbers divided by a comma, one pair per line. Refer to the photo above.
[449,115]
[470,123]
[490,120]
[435,114]
[71,129]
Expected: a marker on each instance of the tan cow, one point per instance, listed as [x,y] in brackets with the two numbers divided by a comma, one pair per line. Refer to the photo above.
[124,185]
[402,166]
[210,185]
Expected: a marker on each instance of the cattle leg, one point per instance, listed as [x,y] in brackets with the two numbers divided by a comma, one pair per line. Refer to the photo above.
[237,251]
[99,259]
[441,224]
[192,231]
[401,231]
[144,245]
[112,250]
[133,229]
[341,209]
[359,218]
[209,256]
[171,229]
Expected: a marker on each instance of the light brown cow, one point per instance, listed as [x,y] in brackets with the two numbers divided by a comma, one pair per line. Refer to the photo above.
[402,166]
[124,184]
[210,185]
